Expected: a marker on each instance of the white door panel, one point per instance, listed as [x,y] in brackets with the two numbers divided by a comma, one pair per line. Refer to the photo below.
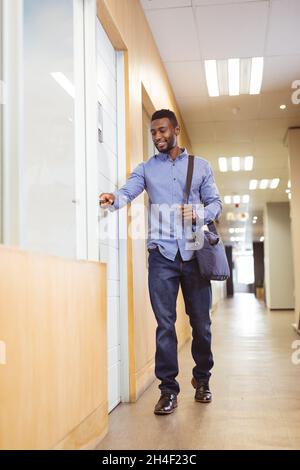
[107,182]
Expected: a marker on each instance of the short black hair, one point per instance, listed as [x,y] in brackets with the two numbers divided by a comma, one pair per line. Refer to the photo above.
[165,113]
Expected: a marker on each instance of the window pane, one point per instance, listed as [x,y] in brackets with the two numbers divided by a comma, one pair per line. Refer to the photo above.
[48,173]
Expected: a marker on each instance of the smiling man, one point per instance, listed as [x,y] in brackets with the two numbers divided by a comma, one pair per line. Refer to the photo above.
[171,262]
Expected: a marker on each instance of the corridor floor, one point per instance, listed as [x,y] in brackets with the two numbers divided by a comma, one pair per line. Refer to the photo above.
[255,386]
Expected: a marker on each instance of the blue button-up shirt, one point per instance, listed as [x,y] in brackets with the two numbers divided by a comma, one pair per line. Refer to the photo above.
[164,180]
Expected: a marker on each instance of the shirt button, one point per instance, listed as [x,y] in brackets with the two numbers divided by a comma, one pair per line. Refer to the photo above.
[174,179]
[173,164]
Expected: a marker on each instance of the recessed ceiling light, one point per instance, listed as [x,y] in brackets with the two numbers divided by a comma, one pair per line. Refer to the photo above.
[223,164]
[236,199]
[282,106]
[245,198]
[231,230]
[248,163]
[253,184]
[235,162]
[289,184]
[227,199]
[256,75]
[254,221]
[290,195]
[287,191]
[274,183]
[212,77]
[234,77]
[262,239]
[255,217]
[263,184]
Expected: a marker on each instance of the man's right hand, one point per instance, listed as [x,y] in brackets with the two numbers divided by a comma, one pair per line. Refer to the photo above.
[106,199]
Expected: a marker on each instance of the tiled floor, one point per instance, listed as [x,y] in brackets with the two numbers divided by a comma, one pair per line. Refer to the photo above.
[255,385]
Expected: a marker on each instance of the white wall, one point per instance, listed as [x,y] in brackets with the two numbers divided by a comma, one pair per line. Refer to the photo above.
[279,278]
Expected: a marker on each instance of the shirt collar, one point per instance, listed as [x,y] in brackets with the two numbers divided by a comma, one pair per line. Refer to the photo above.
[166,156]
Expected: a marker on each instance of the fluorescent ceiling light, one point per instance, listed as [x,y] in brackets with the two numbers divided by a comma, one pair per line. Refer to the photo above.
[222,71]
[235,163]
[223,164]
[240,230]
[245,198]
[274,183]
[63,81]
[255,217]
[236,199]
[253,184]
[227,199]
[254,221]
[290,195]
[256,75]
[231,230]
[262,239]
[211,77]
[234,77]
[289,184]
[248,163]
[263,184]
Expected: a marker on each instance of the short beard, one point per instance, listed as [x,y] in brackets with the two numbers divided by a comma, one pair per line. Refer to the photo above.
[171,146]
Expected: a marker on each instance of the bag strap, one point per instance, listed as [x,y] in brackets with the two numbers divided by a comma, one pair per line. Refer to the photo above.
[189,177]
[211,226]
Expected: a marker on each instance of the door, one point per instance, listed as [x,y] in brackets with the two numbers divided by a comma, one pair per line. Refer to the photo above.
[107,152]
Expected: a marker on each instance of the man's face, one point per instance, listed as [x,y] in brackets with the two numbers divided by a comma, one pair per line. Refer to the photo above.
[164,135]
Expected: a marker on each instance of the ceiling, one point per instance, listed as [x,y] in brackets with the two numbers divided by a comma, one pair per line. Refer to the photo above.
[189,31]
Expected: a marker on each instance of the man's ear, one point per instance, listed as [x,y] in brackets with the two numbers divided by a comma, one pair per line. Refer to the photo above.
[177,130]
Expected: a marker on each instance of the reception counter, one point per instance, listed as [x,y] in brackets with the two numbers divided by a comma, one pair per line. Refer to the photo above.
[53,364]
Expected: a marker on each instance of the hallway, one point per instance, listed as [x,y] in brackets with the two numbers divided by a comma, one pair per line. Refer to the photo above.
[255,386]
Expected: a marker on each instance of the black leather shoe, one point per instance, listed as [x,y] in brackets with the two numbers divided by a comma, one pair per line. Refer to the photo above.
[166,404]
[203,394]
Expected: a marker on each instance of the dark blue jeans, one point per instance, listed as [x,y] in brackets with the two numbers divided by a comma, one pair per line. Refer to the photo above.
[164,279]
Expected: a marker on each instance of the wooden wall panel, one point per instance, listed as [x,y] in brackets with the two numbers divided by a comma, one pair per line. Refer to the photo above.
[53,323]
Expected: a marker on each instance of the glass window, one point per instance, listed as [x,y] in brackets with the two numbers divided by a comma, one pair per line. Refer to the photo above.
[48,204]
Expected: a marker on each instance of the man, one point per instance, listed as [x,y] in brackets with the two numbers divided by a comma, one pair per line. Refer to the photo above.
[171,263]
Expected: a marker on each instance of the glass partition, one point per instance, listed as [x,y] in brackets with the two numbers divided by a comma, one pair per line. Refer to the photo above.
[48,203]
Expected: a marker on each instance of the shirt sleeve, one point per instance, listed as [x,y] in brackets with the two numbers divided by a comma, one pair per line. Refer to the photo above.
[134,186]
[210,197]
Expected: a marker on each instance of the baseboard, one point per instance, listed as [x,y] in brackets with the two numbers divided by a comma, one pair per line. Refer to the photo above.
[88,434]
[294,325]
[144,378]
